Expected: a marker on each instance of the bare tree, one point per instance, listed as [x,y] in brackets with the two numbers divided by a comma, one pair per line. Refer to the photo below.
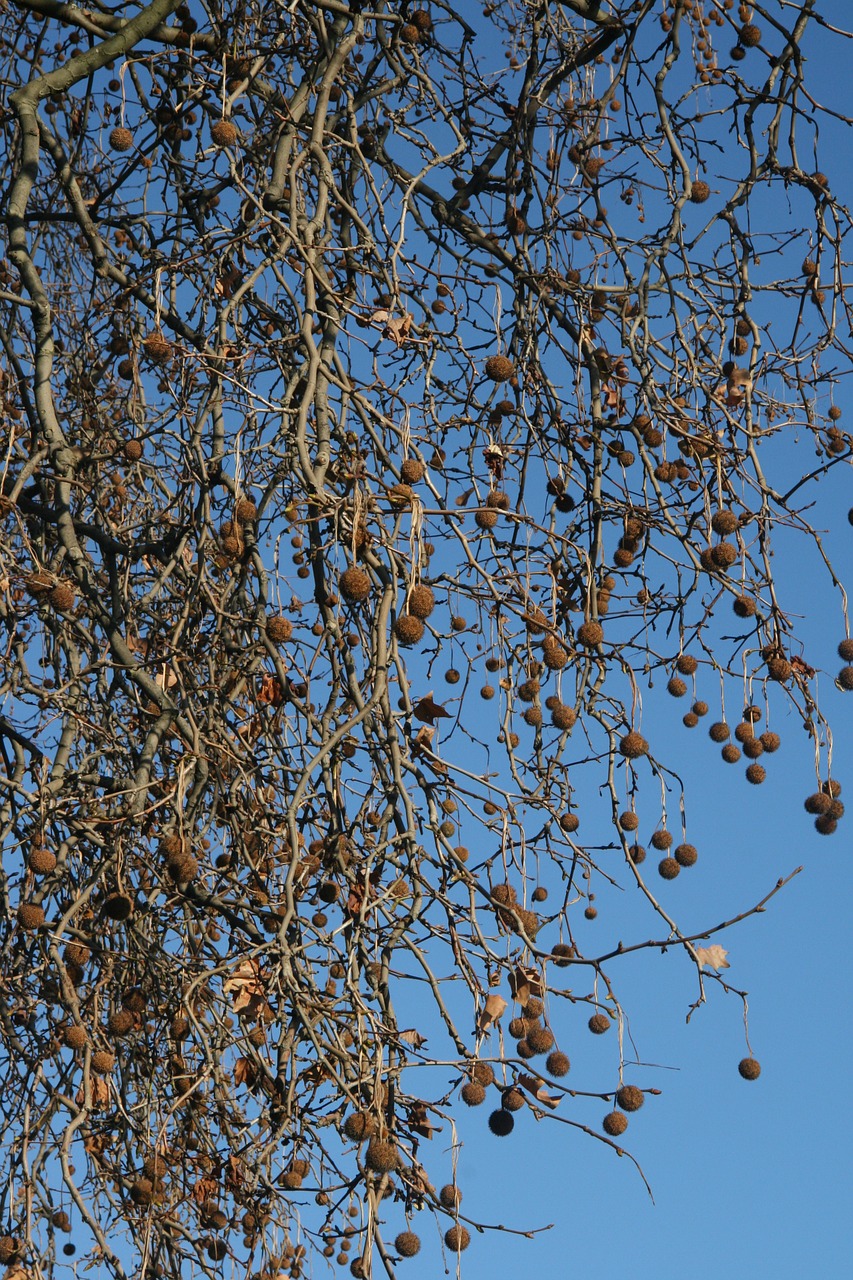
[387,394]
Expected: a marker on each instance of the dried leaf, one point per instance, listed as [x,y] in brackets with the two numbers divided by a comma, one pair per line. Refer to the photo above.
[525,983]
[714,956]
[245,1072]
[419,1121]
[429,711]
[205,1189]
[245,983]
[414,1038]
[423,740]
[492,1011]
[537,1088]
[802,668]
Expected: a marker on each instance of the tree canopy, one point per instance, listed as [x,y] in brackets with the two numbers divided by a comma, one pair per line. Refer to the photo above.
[397,403]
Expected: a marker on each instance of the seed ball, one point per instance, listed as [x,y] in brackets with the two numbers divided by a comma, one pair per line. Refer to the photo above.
[458,1237]
[686,664]
[359,1126]
[661,840]
[61,598]
[724,522]
[730,753]
[614,1124]
[590,913]
[676,687]
[223,133]
[845,650]
[699,192]
[450,1197]
[685,855]
[75,1037]
[590,634]
[554,655]
[629,821]
[744,606]
[770,741]
[724,555]
[103,1062]
[485,518]
[120,1022]
[749,1068]
[408,629]
[719,732]
[690,720]
[517,1028]
[630,1098]
[132,450]
[512,1099]
[836,809]
[499,368]
[668,868]
[245,511]
[412,470]
[157,348]
[407,1244]
[826,824]
[497,500]
[142,1191]
[633,745]
[354,585]
[562,955]
[637,854]
[753,748]
[483,1073]
[381,1155]
[599,1023]
[557,1064]
[779,669]
[540,1039]
[501,1123]
[831,788]
[401,496]
[121,139]
[30,916]
[845,678]
[563,717]
[569,823]
[524,1050]
[818,803]
[41,861]
[750,35]
[473,1094]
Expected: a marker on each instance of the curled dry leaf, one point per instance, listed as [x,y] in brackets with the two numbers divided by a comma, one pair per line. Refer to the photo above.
[428,710]
[714,956]
[492,1011]
[538,1089]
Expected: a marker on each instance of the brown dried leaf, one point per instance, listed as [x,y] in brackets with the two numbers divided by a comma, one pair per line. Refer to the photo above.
[245,983]
[414,1038]
[492,1010]
[428,710]
[537,1088]
[245,1072]
[714,956]
[525,983]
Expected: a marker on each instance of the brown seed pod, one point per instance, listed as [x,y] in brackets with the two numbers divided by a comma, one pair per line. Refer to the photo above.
[676,687]
[690,720]
[756,774]
[132,450]
[744,606]
[245,511]
[563,717]
[407,1244]
[685,855]
[458,1237]
[540,1039]
[157,348]
[223,133]
[753,748]
[750,35]
[630,1098]
[354,585]
[381,1155]
[569,823]
[473,1094]
[75,1037]
[450,1197]
[614,1124]
[359,1126]
[408,629]
[41,861]
[557,1064]
[499,368]
[629,821]
[590,634]
[61,598]
[30,916]
[633,745]
[699,191]
[724,522]
[120,1022]
[661,840]
[779,668]
[845,678]
[826,824]
[719,732]
[412,470]
[483,1073]
[401,496]
[770,741]
[637,854]
[103,1062]
[562,954]
[730,753]
[599,1023]
[554,656]
[749,1068]
[512,1099]
[121,139]
[668,868]
[686,664]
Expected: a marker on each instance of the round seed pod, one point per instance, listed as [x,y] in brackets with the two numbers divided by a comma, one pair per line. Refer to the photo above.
[590,634]
[756,774]
[749,1068]
[279,630]
[223,133]
[103,1062]
[450,1197]
[744,606]
[121,139]
[724,522]
[779,669]
[845,650]
[41,861]
[699,191]
[562,954]
[554,656]
[245,511]
[557,1064]
[637,854]
[499,501]
[563,717]
[750,35]
[719,732]
[512,1099]
[401,496]
[499,368]
[724,555]
[845,678]
[668,868]
[730,753]
[753,748]
[633,745]
[421,601]
[360,1126]
[540,1039]
[826,824]
[407,1244]
[676,687]
[412,470]
[744,731]
[685,855]
[30,916]
[690,720]
[354,585]
[630,1098]
[291,1180]
[157,348]
[132,450]
[408,629]
[629,821]
[473,1094]
[120,1022]
[61,598]
[569,823]
[818,803]
[75,1037]
[614,1124]
[599,1023]
[501,1123]
[483,1073]
[831,788]
[700,708]
[458,1237]
[142,1191]
[686,664]
[381,1155]
[770,741]
[485,518]
[661,840]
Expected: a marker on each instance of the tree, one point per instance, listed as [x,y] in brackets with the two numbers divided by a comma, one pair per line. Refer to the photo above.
[382,412]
